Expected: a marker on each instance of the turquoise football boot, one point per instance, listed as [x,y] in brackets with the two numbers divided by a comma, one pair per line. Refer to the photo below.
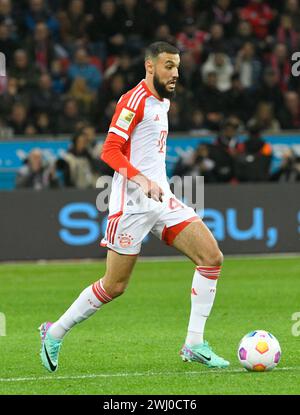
[50,348]
[202,353]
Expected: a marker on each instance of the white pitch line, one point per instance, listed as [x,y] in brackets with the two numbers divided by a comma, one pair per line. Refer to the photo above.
[172,258]
[134,374]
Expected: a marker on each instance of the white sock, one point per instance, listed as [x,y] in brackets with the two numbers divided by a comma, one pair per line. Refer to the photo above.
[88,302]
[202,299]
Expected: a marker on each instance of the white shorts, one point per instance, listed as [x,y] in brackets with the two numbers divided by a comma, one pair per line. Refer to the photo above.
[126,231]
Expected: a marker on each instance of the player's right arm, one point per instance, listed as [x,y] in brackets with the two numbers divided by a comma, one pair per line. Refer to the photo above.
[116,145]
[150,188]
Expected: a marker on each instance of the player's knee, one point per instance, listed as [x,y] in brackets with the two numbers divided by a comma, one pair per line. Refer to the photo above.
[119,289]
[219,259]
[216,258]
[116,289]
[213,258]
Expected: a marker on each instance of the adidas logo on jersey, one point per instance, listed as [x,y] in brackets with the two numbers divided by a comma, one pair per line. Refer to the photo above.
[156,118]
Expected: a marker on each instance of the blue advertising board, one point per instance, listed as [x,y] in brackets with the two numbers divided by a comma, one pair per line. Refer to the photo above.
[13,153]
[66,223]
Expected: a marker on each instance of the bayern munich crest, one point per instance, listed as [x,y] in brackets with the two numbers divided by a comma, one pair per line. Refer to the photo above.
[125,240]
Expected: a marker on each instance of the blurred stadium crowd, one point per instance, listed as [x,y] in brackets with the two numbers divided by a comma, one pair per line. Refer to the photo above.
[69,61]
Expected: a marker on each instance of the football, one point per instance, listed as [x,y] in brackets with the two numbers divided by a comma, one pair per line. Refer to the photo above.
[259,351]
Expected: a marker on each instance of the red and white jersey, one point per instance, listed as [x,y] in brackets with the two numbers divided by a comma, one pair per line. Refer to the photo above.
[141,119]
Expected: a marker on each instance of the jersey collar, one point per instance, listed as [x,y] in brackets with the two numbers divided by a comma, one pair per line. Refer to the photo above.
[149,92]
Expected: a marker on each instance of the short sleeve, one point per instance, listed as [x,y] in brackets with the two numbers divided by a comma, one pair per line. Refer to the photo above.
[129,112]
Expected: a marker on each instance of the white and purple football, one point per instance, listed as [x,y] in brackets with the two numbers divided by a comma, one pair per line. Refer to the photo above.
[259,351]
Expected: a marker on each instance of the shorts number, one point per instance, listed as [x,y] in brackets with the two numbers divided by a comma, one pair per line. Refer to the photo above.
[174,204]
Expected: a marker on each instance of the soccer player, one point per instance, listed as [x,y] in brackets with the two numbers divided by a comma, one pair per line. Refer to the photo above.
[141,202]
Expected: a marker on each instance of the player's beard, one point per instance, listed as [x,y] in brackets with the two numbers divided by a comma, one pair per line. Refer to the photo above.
[161,88]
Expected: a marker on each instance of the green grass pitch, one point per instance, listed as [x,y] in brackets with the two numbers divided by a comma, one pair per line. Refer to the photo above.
[131,345]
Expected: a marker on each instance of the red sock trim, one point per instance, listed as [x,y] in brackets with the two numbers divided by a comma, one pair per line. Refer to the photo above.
[100,293]
[97,294]
[107,296]
[212,273]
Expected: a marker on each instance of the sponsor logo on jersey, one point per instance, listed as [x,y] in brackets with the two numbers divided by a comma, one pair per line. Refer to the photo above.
[125,119]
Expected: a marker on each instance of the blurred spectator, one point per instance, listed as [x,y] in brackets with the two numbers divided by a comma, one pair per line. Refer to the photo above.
[163,33]
[248,66]
[269,90]
[22,70]
[40,47]
[293,10]
[211,101]
[107,96]
[220,64]
[162,12]
[6,132]
[280,62]
[82,94]
[290,113]
[82,68]
[177,120]
[59,77]
[104,31]
[73,22]
[289,170]
[189,8]
[253,160]
[123,65]
[185,98]
[11,96]
[131,15]
[259,14]
[44,99]
[111,91]
[264,119]
[94,147]
[238,100]
[77,165]
[244,33]
[215,41]
[70,119]
[43,124]
[7,16]
[38,12]
[190,75]
[7,44]
[18,120]
[103,120]
[198,163]
[287,34]
[221,13]
[36,174]
[197,124]
[191,39]
[223,151]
